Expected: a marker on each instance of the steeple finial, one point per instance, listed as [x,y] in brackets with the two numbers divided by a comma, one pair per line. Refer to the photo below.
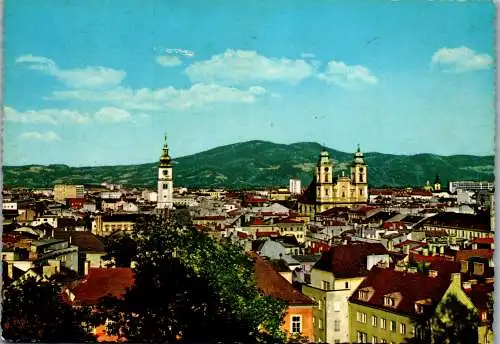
[359,150]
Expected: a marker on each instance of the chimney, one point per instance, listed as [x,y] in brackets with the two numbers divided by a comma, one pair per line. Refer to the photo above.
[467,286]
[433,273]
[86,268]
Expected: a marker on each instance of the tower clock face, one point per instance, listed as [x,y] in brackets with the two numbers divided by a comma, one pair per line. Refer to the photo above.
[165,173]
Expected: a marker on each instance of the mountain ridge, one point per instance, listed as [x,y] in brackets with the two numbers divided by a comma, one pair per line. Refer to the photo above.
[259,163]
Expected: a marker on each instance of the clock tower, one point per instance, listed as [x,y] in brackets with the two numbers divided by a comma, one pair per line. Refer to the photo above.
[165,180]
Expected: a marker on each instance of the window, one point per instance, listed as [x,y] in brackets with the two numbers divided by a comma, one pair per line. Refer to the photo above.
[337,341]
[383,341]
[361,317]
[362,337]
[402,328]
[389,301]
[336,325]
[478,268]
[363,295]
[383,323]
[347,285]
[374,321]
[165,186]
[320,304]
[393,326]
[326,192]
[361,192]
[326,285]
[296,324]
[412,331]
[374,340]
[336,306]
[320,323]
[484,316]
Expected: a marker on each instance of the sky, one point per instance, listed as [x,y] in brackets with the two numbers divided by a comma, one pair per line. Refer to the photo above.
[100,82]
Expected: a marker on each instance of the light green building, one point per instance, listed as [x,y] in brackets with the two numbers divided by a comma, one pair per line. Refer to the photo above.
[387,303]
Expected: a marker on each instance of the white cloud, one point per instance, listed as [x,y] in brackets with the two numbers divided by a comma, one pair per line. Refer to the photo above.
[159,99]
[349,77]
[40,136]
[235,67]
[460,60]
[183,52]
[112,115]
[46,116]
[89,77]
[307,55]
[168,60]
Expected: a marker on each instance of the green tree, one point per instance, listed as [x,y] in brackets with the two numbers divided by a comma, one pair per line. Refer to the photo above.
[452,323]
[455,323]
[121,249]
[34,311]
[189,286]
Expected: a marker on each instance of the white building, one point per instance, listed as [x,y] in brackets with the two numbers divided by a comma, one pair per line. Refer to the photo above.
[470,186]
[9,205]
[150,196]
[165,180]
[295,187]
[111,194]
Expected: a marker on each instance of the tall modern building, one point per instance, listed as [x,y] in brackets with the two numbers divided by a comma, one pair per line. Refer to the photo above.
[63,191]
[165,180]
[295,187]
[467,185]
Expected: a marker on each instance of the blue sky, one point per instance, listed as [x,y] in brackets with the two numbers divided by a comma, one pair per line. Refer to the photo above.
[100,82]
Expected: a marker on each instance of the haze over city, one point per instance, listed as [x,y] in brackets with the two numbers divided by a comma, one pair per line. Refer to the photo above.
[391,76]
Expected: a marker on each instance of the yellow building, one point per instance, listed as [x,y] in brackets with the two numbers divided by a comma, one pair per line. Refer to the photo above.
[326,191]
[105,225]
[63,191]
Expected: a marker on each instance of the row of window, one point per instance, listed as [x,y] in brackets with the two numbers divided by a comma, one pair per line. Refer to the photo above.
[325,285]
[113,228]
[375,321]
[363,338]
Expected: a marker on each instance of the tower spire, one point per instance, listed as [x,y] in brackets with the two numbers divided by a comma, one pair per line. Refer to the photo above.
[359,150]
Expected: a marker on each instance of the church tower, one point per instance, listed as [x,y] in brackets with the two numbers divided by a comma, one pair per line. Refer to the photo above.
[165,180]
[324,180]
[359,175]
[437,183]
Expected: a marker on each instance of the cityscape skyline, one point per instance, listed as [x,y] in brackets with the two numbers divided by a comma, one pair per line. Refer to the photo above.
[80,94]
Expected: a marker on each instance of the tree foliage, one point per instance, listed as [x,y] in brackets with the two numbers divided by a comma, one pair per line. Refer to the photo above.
[34,311]
[452,323]
[189,287]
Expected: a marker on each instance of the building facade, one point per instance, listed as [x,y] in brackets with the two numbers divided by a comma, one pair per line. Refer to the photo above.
[63,191]
[165,180]
[467,185]
[327,191]
[295,186]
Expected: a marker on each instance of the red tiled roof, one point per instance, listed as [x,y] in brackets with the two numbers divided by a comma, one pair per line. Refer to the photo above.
[421,258]
[394,225]
[483,241]
[101,282]
[210,218]
[457,220]
[256,221]
[413,243]
[479,295]
[412,286]
[271,283]
[349,260]
[467,254]
[242,235]
[266,234]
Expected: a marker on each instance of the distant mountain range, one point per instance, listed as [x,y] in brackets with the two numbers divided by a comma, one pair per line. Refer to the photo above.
[262,164]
